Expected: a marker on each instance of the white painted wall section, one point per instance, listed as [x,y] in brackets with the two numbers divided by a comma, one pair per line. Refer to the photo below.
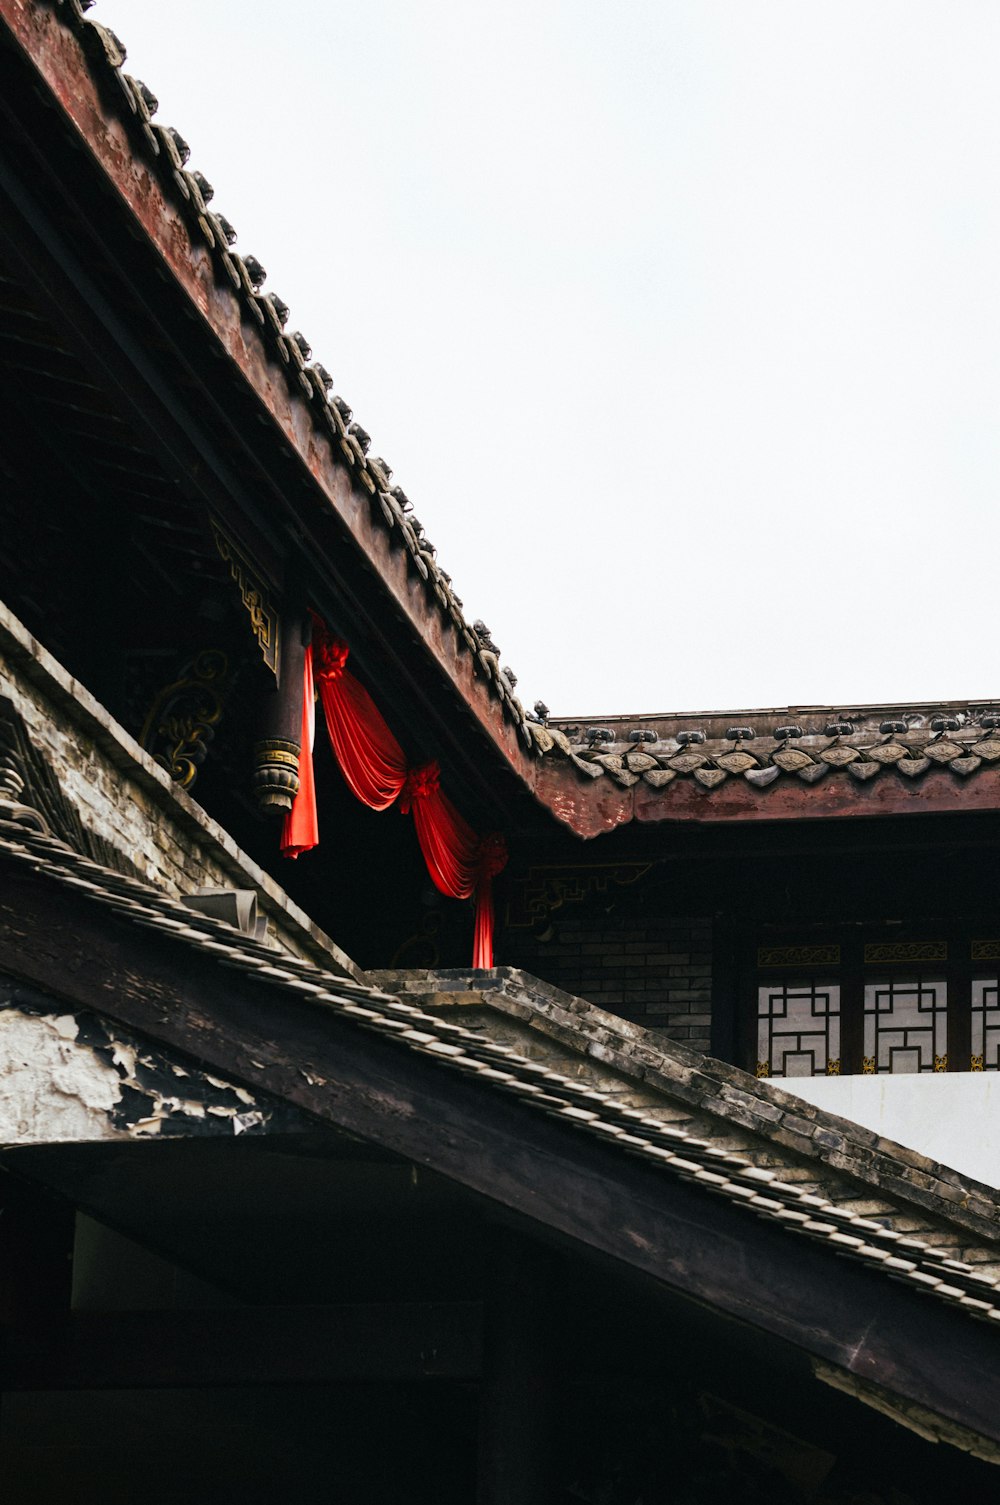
[52,1087]
[952,1117]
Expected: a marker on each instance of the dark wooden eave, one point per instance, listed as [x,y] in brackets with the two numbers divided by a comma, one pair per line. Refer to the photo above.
[93,232]
[594,1195]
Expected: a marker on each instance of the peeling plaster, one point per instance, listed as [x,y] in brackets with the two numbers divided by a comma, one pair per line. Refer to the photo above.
[72,1077]
[52,1087]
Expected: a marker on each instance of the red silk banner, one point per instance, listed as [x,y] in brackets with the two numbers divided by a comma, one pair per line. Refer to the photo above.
[368,755]
[300,831]
[461,865]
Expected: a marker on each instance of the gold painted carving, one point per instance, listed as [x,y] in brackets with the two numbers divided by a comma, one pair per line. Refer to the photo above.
[868,1066]
[182,719]
[906,951]
[544,889]
[254,595]
[763,1068]
[833,1067]
[798,956]
[985,951]
[976,1064]
[940,1063]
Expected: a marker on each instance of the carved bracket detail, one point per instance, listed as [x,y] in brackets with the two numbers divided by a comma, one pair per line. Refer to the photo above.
[182,719]
[254,595]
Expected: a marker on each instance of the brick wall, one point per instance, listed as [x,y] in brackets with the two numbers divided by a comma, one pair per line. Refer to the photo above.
[656,972]
[123,797]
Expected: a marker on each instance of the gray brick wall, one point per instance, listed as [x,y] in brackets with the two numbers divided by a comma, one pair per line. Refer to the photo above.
[121,795]
[656,972]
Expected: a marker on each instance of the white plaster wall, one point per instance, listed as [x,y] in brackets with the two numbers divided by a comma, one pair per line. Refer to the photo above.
[51,1086]
[953,1117]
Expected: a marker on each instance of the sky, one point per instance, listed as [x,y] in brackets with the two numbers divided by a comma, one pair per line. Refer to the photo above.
[678,322]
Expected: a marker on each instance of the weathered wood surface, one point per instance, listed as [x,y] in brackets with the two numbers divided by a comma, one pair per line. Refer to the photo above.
[599,805]
[517,1396]
[244,1346]
[594,1196]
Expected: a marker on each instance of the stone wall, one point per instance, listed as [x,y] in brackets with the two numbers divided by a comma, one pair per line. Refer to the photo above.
[656,972]
[123,798]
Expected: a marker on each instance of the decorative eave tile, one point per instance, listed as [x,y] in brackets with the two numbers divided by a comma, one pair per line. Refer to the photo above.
[840,755]
[623,777]
[711,777]
[736,762]
[687,762]
[988,749]
[761,777]
[965,765]
[659,777]
[639,762]
[943,751]
[610,762]
[886,752]
[592,770]
[913,767]
[814,772]
[791,759]
[863,771]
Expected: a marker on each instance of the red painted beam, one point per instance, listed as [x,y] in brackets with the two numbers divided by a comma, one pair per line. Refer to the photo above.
[594,806]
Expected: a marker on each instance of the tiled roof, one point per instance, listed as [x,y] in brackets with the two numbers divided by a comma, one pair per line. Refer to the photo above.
[165,153]
[657,757]
[708,1148]
[765,748]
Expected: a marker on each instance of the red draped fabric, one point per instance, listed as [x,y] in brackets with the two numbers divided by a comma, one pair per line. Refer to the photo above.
[459,862]
[448,842]
[492,859]
[373,764]
[300,831]
[368,755]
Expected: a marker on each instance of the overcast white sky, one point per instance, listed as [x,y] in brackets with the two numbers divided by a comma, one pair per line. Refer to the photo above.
[679,322]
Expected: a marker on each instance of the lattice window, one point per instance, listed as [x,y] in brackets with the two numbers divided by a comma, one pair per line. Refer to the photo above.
[798,1029]
[986,1024]
[906,1025]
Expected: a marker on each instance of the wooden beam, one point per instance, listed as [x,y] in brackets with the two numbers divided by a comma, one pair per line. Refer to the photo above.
[553,1175]
[244,1346]
[516,1397]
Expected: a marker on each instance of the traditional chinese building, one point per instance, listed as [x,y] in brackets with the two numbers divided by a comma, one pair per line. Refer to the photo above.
[296,1201]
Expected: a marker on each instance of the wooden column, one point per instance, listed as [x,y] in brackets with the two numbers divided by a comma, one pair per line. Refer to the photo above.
[276,753]
[516,1410]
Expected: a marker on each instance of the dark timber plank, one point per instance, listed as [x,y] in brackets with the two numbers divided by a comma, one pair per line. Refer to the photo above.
[244,1346]
[601,1199]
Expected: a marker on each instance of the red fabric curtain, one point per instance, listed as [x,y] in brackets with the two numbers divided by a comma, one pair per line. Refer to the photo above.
[460,863]
[300,830]
[368,755]
[373,764]
[492,859]
[448,842]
